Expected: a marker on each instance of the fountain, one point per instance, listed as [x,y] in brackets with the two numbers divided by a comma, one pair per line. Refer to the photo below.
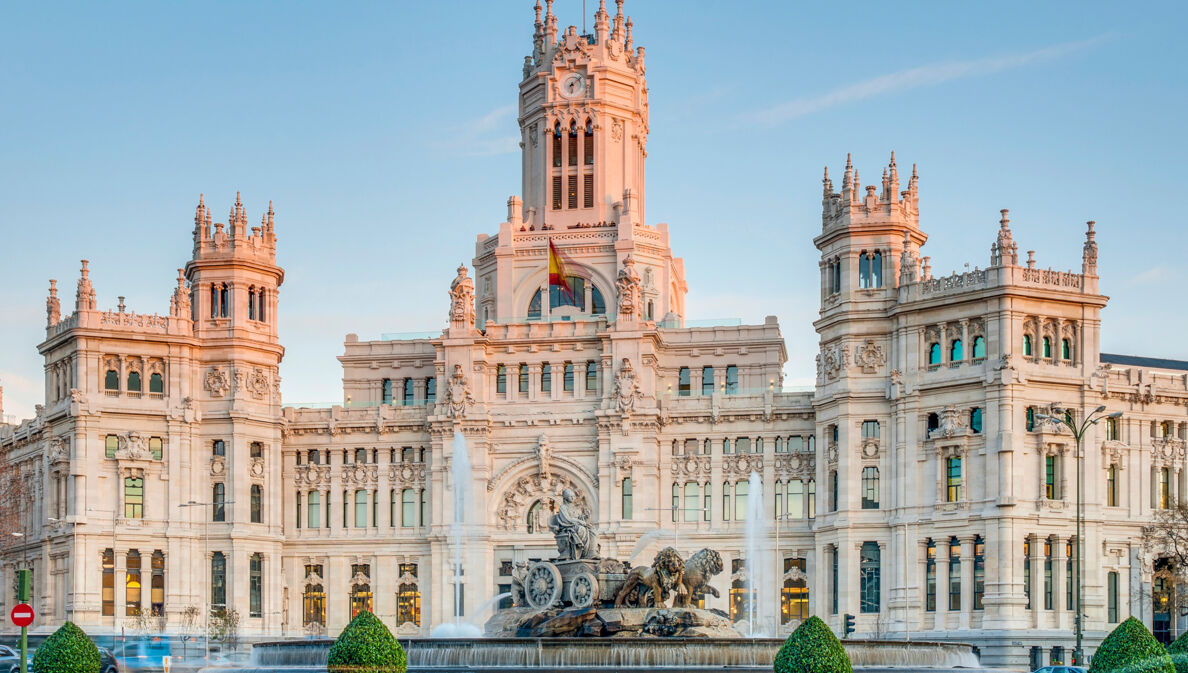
[581,612]
[463,483]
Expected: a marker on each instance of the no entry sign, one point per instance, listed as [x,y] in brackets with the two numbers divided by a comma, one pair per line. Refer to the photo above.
[22,614]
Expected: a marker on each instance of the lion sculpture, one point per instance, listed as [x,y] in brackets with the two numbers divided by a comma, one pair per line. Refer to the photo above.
[699,569]
[665,575]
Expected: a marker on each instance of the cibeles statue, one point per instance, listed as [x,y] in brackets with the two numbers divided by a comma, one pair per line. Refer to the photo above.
[576,537]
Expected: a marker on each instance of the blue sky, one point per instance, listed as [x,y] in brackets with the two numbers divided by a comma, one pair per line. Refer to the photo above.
[385,134]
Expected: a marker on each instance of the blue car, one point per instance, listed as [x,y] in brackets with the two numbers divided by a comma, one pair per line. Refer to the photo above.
[10,660]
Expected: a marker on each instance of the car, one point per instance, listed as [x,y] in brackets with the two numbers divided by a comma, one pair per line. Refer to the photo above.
[10,660]
[1061,669]
[107,661]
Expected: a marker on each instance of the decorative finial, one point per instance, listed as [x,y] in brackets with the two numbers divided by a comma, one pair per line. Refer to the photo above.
[1005,222]
[892,157]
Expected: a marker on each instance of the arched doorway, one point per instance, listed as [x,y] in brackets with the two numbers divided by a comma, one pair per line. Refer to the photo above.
[1163,600]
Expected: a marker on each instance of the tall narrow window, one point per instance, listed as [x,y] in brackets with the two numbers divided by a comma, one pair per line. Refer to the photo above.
[313,599]
[386,391]
[794,594]
[732,380]
[1050,477]
[979,569]
[954,574]
[833,498]
[588,190]
[706,501]
[408,598]
[256,585]
[111,380]
[134,497]
[588,143]
[1029,419]
[869,579]
[132,584]
[557,195]
[218,500]
[1065,349]
[157,448]
[431,390]
[726,501]
[591,377]
[360,588]
[741,493]
[157,587]
[257,503]
[572,147]
[1048,589]
[156,383]
[252,303]
[1027,570]
[314,510]
[218,448]
[683,382]
[133,382]
[567,378]
[707,381]
[1165,488]
[1111,425]
[1027,349]
[795,506]
[864,270]
[571,195]
[956,351]
[870,488]
[675,510]
[224,305]
[557,154]
[833,581]
[423,510]
[979,347]
[1112,486]
[930,576]
[214,300]
[522,379]
[218,581]
[408,507]
[360,508]
[408,392]
[1069,573]
[934,354]
[1112,597]
[108,583]
[501,379]
[300,511]
[111,444]
[876,269]
[975,420]
[953,479]
[1047,343]
[627,496]
[261,303]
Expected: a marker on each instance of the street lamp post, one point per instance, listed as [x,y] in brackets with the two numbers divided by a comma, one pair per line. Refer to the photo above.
[205,553]
[1059,416]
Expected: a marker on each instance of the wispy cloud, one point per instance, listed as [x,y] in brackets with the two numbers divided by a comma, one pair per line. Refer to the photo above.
[926,75]
[485,136]
[1156,275]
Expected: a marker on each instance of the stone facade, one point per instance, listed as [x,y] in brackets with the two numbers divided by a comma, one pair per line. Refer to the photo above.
[915,487]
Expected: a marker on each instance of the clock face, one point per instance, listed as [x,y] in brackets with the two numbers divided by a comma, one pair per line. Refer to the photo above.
[573,85]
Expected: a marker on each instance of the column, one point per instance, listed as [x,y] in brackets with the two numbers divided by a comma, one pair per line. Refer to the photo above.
[1037,578]
[1059,563]
[942,583]
[922,573]
[967,579]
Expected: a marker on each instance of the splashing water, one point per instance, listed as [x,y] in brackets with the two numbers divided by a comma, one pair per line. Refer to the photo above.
[482,609]
[758,583]
[646,539]
[460,469]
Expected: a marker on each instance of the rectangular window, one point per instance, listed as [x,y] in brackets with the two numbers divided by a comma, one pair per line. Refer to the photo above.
[218,506]
[707,381]
[979,569]
[954,575]
[557,187]
[501,380]
[408,392]
[256,586]
[522,379]
[431,390]
[408,507]
[157,448]
[360,508]
[732,380]
[571,148]
[953,480]
[133,497]
[314,509]
[1027,570]
[870,579]
[930,577]
[1069,571]
[257,503]
[567,383]
[1164,488]
[132,584]
[111,444]
[1050,477]
[628,505]
[1112,597]
[298,501]
[833,582]
[870,429]
[795,499]
[386,392]
[1049,601]
[591,377]
[423,513]
[741,489]
[810,498]
[707,502]
[742,445]
[683,385]
[588,190]
[546,378]
[157,591]
[571,192]
[794,593]
[833,491]
[108,583]
[218,448]
[218,581]
[726,501]
[588,149]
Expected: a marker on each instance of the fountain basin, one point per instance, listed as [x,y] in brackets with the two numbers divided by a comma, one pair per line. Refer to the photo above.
[640,655]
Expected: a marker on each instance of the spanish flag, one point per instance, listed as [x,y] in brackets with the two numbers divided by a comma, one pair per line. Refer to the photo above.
[559,272]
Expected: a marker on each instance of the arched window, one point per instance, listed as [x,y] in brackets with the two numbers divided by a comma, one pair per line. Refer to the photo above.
[598,303]
[575,296]
[588,144]
[876,269]
[864,270]
[533,512]
[628,505]
[979,347]
[794,596]
[557,146]
[869,579]
[313,599]
[224,305]
[1027,345]
[1065,349]
[934,354]
[360,588]
[651,312]
[257,503]
[133,382]
[111,381]
[261,303]
[314,510]
[1047,343]
[534,308]
[218,581]
[692,500]
[572,147]
[870,488]
[408,598]
[214,300]
[252,302]
[218,500]
[956,352]
[360,508]
[953,479]
[315,457]
[975,420]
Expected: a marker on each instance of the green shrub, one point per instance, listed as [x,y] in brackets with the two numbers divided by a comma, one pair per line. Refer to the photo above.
[1130,648]
[812,648]
[67,650]
[366,646]
[1179,653]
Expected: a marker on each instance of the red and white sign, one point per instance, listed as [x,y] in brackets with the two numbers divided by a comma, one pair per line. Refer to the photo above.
[22,614]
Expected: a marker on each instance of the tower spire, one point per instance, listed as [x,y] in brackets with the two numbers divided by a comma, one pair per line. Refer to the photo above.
[53,308]
[601,23]
[893,180]
[827,183]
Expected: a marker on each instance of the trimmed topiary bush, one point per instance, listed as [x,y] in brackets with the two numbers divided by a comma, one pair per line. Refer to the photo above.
[812,648]
[1130,648]
[366,646]
[67,650]
[1179,653]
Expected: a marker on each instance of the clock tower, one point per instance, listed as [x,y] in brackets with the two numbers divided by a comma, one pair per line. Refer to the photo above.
[583,123]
